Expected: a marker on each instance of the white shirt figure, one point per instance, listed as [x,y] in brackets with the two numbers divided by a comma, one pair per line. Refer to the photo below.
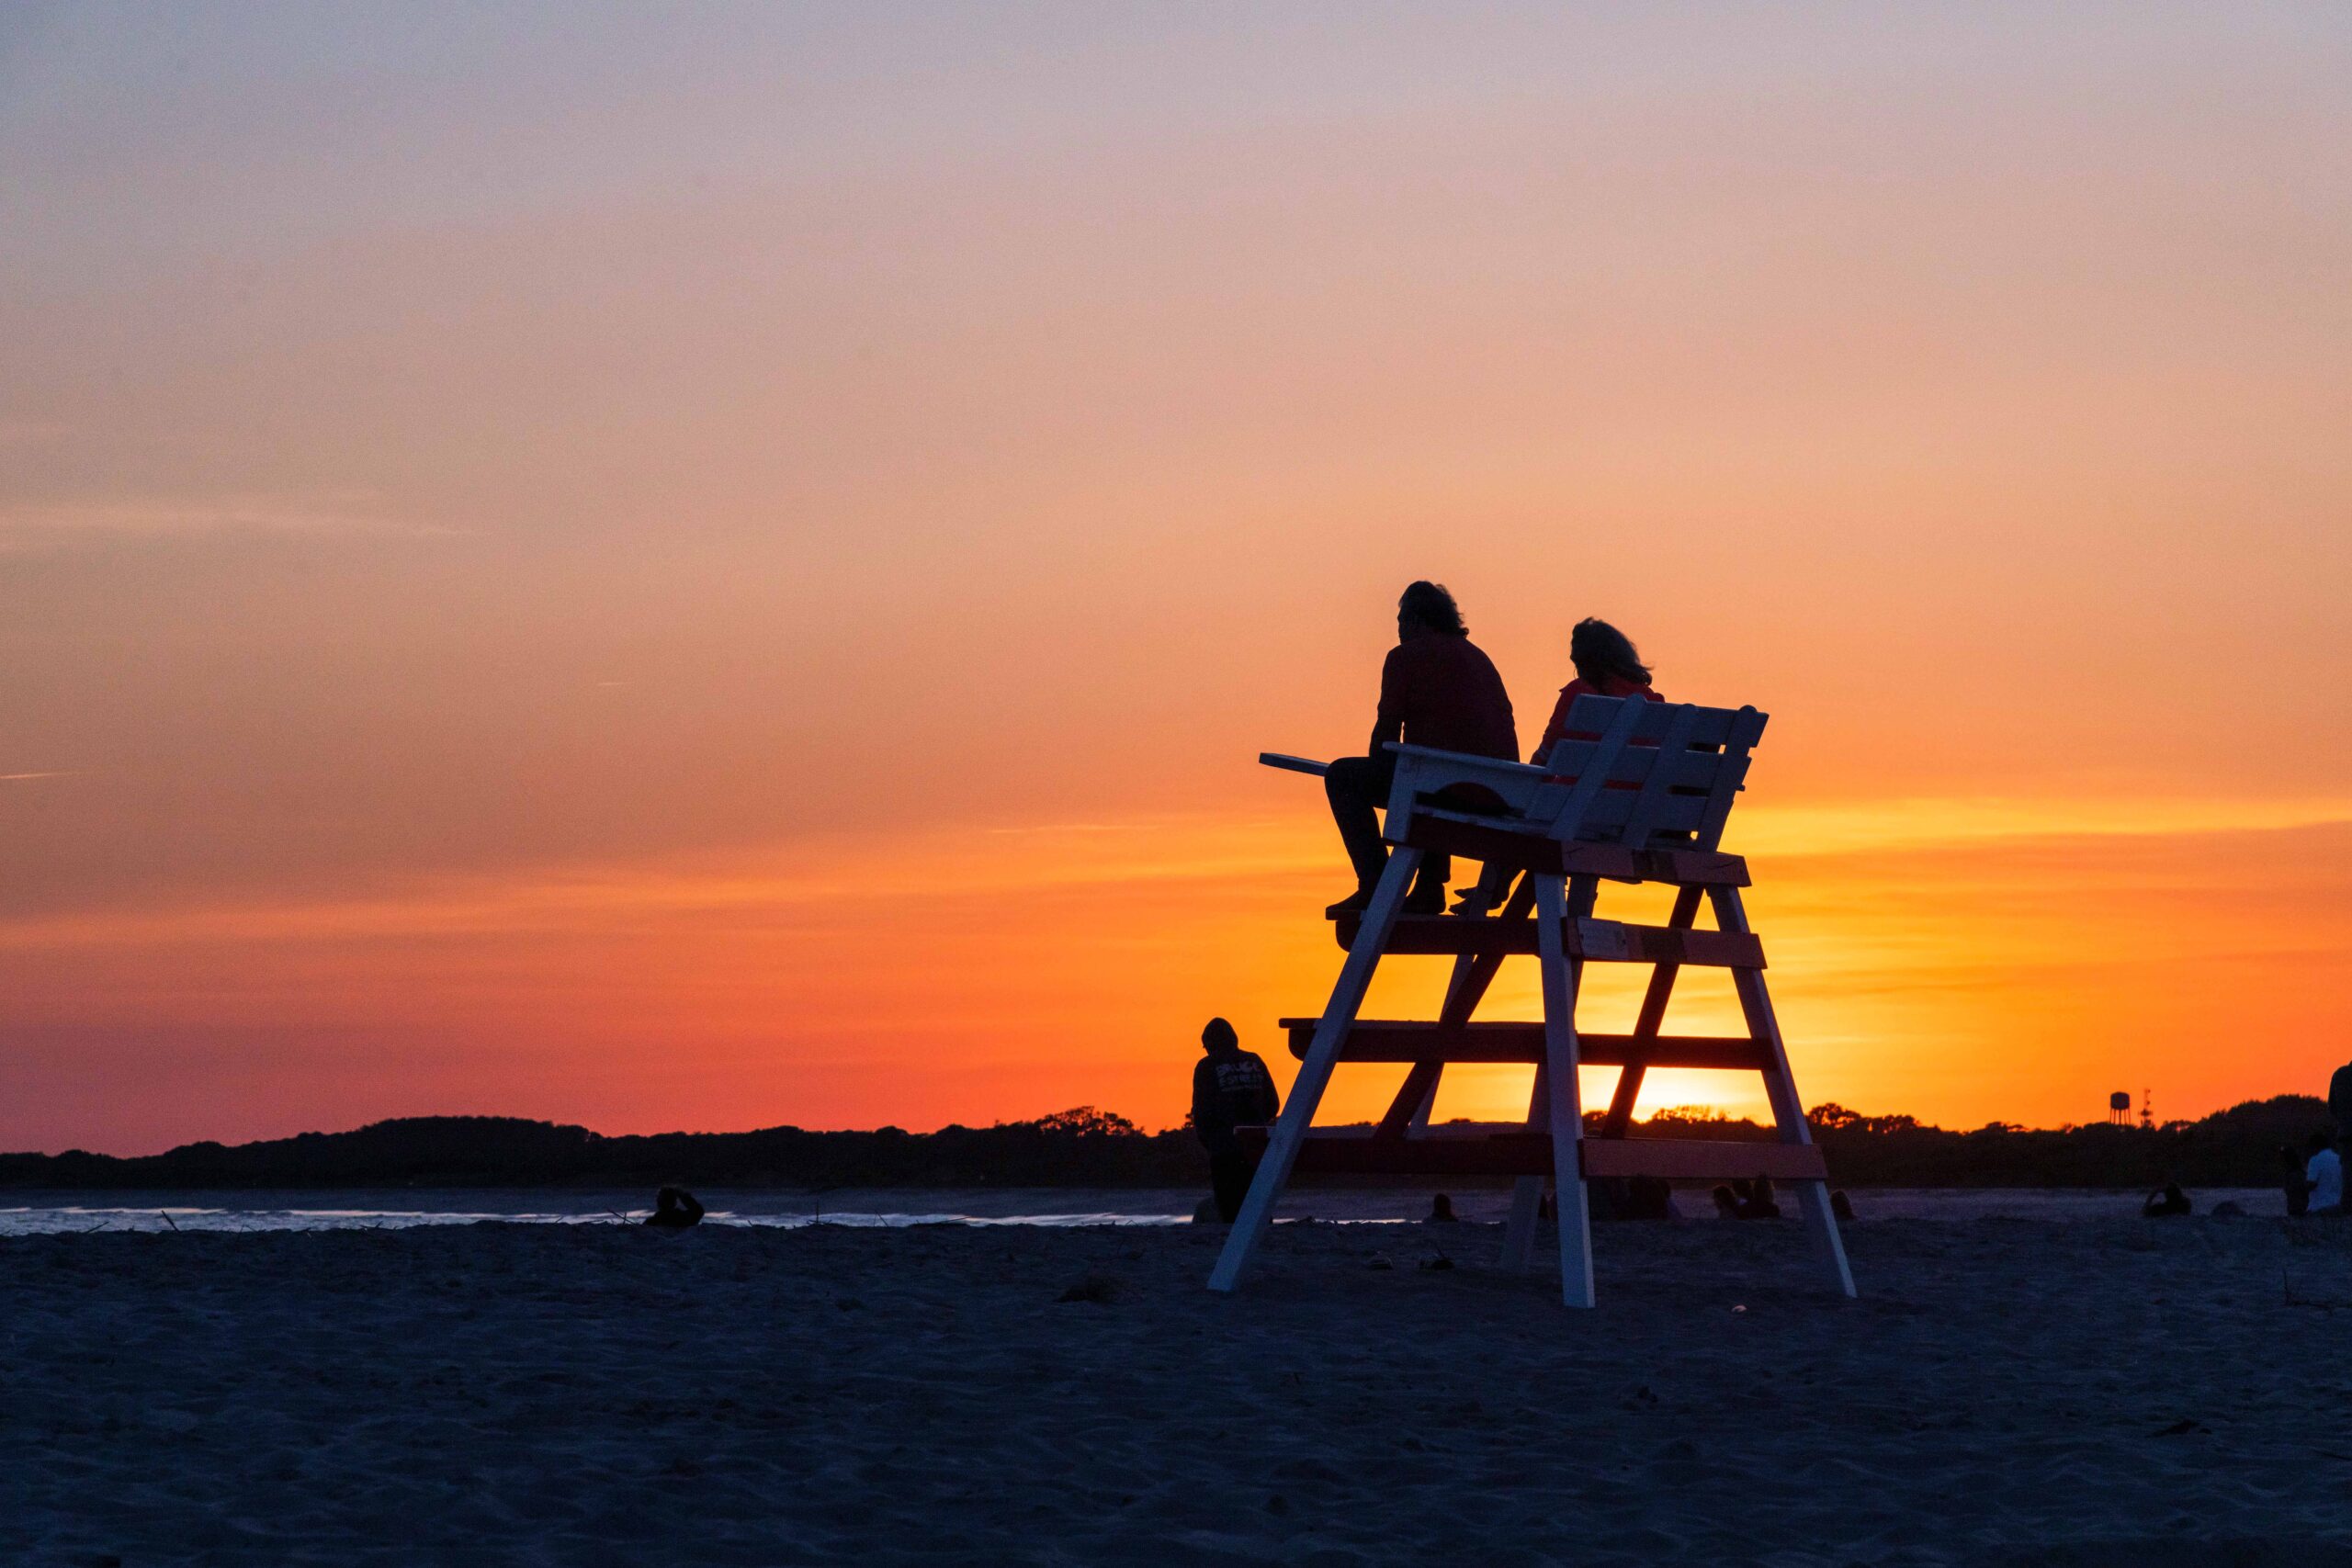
[2326,1173]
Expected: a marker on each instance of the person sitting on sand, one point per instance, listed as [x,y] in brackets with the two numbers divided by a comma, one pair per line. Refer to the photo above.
[1231,1089]
[1747,1200]
[2166,1203]
[1441,1211]
[674,1209]
[2324,1173]
[1436,689]
[1606,666]
[2294,1183]
[1841,1206]
[1632,1198]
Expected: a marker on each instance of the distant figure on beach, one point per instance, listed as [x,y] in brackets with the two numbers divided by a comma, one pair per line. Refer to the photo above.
[1841,1206]
[1606,666]
[674,1209]
[2325,1175]
[1437,690]
[2293,1182]
[2339,1100]
[2166,1204]
[1441,1211]
[1632,1198]
[1231,1087]
[1747,1200]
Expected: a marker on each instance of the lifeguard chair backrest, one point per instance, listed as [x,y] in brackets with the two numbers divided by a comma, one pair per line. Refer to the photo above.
[1669,782]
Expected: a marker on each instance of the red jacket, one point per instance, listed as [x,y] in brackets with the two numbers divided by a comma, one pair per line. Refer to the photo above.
[1440,691]
[1613,686]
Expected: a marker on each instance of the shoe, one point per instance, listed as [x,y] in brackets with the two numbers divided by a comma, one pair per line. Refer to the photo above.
[1355,903]
[1426,898]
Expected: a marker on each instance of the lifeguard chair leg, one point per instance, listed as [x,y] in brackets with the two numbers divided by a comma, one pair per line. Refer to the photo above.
[1560,979]
[1781,1088]
[1527,1192]
[1628,1092]
[1315,1072]
[1472,975]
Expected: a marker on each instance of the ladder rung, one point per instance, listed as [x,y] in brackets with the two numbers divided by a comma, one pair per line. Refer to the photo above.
[1372,1040]
[1596,941]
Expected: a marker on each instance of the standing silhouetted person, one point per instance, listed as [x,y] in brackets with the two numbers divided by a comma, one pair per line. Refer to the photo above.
[674,1209]
[1231,1087]
[1436,689]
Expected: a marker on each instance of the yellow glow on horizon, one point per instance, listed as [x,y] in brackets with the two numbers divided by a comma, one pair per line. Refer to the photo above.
[1915,947]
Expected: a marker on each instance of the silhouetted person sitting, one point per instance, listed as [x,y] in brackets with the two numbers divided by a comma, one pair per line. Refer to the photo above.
[674,1209]
[1436,689]
[1727,1202]
[1606,666]
[1632,1198]
[2293,1182]
[2324,1173]
[1441,1211]
[2164,1204]
[1840,1205]
[1649,1198]
[1231,1087]
[1747,1200]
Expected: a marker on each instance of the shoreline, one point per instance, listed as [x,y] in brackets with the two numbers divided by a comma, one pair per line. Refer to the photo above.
[70,1212]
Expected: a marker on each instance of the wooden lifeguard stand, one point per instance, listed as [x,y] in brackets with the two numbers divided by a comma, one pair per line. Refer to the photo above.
[1645,802]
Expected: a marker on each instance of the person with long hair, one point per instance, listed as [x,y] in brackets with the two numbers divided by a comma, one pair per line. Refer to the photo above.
[1606,666]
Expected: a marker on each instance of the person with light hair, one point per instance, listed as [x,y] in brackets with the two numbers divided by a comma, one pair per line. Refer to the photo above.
[1606,666]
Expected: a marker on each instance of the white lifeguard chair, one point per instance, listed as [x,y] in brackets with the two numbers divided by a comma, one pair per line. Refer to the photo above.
[1645,802]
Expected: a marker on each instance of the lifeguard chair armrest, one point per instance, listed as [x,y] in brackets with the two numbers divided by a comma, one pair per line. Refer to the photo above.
[1293,764]
[1470,762]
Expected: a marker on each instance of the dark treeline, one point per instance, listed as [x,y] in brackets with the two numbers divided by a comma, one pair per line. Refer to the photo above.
[1071,1148]
[2238,1147]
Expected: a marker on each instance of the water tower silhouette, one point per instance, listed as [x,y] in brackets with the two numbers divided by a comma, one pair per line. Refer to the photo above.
[2119,1109]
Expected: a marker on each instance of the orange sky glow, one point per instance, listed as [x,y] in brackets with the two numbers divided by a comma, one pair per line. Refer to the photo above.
[728,568]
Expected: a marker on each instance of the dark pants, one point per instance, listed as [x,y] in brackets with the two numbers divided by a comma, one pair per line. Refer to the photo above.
[1229,1174]
[1356,786]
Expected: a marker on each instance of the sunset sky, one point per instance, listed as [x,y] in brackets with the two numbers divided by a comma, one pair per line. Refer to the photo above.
[713,565]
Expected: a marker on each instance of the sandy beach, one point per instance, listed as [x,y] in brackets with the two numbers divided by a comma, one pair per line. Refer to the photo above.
[2087,1392]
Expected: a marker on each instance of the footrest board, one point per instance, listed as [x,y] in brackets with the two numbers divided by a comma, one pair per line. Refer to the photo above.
[1596,941]
[1371,1040]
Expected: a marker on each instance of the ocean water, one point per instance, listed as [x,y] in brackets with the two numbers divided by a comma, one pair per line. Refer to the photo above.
[46,1213]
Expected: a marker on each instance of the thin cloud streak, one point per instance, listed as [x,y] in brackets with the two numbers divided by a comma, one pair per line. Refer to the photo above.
[24,528]
[1192,850]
